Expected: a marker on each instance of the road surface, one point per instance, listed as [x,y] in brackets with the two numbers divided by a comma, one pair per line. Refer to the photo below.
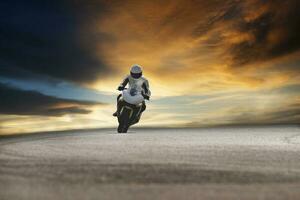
[208,163]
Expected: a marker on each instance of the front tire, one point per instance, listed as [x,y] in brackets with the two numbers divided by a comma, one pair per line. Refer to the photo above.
[124,121]
[120,127]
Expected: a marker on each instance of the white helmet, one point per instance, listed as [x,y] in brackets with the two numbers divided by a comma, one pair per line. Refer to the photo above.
[136,71]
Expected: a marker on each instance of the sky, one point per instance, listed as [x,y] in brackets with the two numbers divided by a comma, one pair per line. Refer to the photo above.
[217,62]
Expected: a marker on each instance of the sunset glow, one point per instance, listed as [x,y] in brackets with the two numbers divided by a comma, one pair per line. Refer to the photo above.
[208,62]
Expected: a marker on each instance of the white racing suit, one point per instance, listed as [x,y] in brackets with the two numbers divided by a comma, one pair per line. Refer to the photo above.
[141,85]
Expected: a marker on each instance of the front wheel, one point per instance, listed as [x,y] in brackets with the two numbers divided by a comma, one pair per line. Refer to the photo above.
[124,121]
[122,128]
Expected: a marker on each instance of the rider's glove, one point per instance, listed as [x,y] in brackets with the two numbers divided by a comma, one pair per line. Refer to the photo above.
[145,96]
[120,88]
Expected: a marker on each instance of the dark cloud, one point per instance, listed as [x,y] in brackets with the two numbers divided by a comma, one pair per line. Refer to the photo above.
[60,38]
[288,115]
[19,102]
[46,37]
[273,27]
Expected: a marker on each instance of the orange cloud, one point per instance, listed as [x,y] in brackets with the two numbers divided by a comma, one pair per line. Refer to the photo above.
[194,41]
[233,49]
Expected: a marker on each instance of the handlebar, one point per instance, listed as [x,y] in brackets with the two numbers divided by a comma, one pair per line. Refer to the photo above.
[145,96]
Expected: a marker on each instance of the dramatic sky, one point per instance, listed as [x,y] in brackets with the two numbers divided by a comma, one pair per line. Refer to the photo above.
[208,62]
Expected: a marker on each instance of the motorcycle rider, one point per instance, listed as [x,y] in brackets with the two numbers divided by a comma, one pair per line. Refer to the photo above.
[137,81]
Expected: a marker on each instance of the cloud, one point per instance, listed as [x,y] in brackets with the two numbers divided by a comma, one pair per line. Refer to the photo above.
[45,37]
[290,114]
[265,106]
[236,116]
[205,57]
[14,101]
[85,41]
[210,45]
[272,28]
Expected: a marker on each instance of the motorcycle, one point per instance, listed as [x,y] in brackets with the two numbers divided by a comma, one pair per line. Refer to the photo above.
[131,107]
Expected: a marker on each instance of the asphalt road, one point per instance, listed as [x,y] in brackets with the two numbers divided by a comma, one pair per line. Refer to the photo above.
[209,163]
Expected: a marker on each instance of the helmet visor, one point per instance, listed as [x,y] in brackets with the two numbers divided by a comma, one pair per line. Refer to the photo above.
[135,75]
